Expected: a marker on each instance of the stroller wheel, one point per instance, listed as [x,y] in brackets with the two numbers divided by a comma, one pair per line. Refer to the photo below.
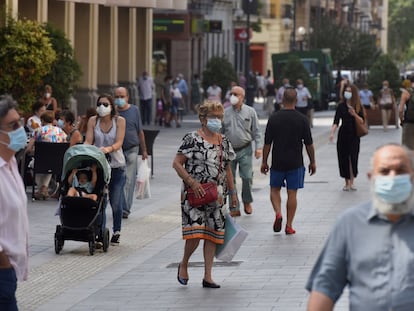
[105,240]
[58,245]
[58,239]
[91,247]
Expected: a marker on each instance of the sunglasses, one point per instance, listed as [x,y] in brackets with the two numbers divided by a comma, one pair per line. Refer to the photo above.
[99,104]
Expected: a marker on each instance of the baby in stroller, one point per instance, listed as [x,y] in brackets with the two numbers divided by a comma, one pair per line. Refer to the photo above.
[83,197]
[81,185]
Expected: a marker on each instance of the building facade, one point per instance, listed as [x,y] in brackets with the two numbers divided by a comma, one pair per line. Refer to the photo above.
[112,40]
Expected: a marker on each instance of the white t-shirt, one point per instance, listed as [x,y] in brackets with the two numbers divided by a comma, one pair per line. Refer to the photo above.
[303,96]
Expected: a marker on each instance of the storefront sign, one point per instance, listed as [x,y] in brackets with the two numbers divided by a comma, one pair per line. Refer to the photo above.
[240,34]
[168,25]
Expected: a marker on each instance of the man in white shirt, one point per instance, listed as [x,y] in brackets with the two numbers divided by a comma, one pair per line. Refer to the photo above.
[302,105]
[146,88]
[14,225]
[281,90]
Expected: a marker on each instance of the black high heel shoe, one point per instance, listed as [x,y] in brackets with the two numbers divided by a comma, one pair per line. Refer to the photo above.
[210,285]
[180,280]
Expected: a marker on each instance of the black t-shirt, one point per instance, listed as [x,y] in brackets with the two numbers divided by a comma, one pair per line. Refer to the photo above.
[270,87]
[288,130]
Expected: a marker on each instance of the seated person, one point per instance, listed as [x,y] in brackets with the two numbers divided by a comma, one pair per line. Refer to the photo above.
[34,121]
[81,186]
[47,132]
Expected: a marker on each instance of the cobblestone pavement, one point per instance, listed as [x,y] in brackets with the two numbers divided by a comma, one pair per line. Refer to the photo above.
[268,273]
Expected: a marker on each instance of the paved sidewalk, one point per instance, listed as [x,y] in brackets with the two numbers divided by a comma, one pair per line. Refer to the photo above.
[268,273]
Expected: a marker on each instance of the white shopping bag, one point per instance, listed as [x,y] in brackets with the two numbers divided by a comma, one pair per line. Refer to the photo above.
[142,184]
[234,236]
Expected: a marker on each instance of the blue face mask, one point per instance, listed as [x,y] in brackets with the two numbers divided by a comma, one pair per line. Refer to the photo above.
[214,125]
[60,123]
[18,139]
[120,102]
[393,189]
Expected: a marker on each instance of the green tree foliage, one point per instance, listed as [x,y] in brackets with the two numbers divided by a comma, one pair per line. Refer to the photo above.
[400,29]
[349,47]
[220,71]
[26,56]
[294,70]
[65,71]
[384,69]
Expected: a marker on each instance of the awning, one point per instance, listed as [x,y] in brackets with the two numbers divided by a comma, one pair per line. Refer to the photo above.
[132,3]
[156,4]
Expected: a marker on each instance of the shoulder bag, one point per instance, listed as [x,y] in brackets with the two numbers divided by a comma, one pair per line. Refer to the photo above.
[210,189]
[361,128]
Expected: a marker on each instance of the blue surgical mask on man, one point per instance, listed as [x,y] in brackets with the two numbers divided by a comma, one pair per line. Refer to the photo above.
[18,139]
[393,189]
[214,125]
[60,123]
[120,102]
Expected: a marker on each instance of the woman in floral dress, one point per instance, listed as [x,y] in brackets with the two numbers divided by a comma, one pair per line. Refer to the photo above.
[204,156]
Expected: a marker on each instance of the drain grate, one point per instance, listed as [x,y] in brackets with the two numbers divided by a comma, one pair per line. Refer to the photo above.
[200,264]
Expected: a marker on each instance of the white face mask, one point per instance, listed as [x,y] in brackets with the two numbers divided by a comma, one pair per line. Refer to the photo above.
[47,95]
[234,100]
[103,111]
[348,95]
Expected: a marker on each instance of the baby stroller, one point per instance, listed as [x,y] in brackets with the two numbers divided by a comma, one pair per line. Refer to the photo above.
[83,219]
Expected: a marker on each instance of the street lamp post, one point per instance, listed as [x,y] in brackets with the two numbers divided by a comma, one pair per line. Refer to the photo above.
[249,7]
[247,60]
[293,42]
[301,37]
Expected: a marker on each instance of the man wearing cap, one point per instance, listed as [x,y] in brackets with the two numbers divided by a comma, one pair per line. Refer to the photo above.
[241,127]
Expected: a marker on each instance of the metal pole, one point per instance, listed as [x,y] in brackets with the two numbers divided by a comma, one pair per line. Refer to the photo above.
[247,61]
[293,43]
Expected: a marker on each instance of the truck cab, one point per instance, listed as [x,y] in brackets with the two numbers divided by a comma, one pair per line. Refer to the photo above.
[318,63]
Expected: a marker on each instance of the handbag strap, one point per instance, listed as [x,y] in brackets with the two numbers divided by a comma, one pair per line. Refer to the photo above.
[221,157]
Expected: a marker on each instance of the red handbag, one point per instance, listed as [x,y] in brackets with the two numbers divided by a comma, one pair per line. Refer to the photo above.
[211,195]
[210,189]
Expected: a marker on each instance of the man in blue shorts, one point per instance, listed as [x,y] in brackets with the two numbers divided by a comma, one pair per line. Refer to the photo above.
[288,130]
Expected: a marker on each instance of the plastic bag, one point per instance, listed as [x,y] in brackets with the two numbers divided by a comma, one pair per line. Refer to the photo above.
[142,183]
[234,236]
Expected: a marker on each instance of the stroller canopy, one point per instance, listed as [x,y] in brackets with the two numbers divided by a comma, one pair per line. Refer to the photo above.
[78,154]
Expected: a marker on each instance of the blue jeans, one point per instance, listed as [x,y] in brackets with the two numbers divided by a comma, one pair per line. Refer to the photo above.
[8,286]
[146,111]
[244,161]
[117,196]
[131,173]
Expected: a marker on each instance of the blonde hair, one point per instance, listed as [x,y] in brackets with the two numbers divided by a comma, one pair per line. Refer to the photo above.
[209,106]
[406,84]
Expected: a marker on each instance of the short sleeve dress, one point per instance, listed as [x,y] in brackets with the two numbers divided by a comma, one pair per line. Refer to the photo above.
[206,162]
[348,142]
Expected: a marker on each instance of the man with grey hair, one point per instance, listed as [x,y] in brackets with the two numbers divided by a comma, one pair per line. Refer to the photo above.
[371,247]
[241,127]
[14,225]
